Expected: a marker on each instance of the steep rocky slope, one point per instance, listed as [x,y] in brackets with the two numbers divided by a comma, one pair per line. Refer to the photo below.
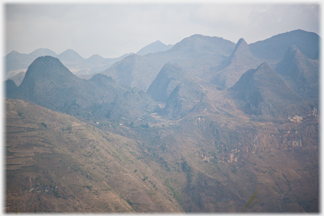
[154,47]
[177,89]
[273,49]
[196,54]
[56,163]
[16,62]
[300,73]
[10,87]
[232,68]
[50,84]
[264,92]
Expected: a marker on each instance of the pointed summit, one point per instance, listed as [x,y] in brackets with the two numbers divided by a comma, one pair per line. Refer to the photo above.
[15,61]
[178,89]
[42,52]
[264,68]
[299,72]
[265,93]
[235,65]
[241,46]
[70,55]
[294,54]
[95,59]
[166,81]
[154,47]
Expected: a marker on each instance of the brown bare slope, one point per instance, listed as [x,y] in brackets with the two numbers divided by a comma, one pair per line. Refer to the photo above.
[56,163]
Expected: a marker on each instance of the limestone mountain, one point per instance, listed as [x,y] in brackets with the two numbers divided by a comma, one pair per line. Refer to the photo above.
[10,87]
[170,76]
[195,54]
[265,93]
[273,49]
[18,78]
[123,71]
[197,45]
[183,99]
[16,62]
[177,88]
[42,52]
[70,55]
[95,59]
[232,68]
[154,47]
[300,73]
[50,84]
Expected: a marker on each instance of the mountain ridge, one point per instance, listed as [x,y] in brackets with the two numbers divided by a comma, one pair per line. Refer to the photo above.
[299,72]
[47,77]
[232,68]
[273,49]
[154,47]
[267,94]
[193,54]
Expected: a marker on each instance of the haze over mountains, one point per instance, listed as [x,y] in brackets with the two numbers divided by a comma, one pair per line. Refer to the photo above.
[17,62]
[299,72]
[47,78]
[203,126]
[154,47]
[232,68]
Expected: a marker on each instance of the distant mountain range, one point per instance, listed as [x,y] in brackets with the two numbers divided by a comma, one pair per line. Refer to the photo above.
[204,57]
[154,47]
[196,54]
[16,62]
[50,84]
[205,126]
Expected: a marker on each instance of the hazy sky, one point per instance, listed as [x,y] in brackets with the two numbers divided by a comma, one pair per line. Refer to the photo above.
[112,30]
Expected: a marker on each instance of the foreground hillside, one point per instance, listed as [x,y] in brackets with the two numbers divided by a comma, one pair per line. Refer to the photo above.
[202,163]
[56,163]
